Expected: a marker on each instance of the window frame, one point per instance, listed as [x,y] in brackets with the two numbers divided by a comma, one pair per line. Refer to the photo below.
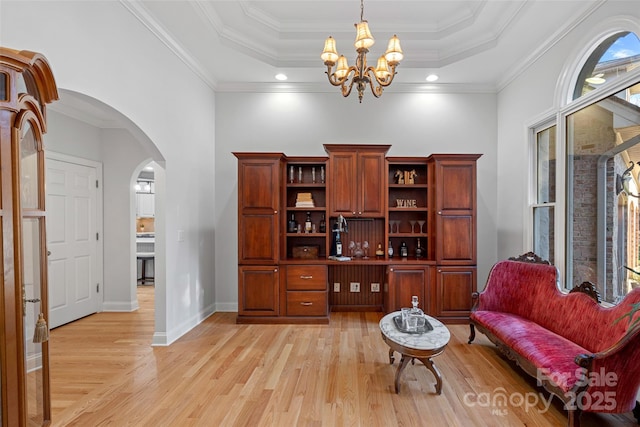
[559,119]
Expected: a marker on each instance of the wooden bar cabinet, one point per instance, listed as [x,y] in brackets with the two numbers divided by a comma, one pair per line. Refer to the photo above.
[423,208]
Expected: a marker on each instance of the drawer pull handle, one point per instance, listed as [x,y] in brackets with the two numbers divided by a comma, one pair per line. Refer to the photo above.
[306,303]
[306,277]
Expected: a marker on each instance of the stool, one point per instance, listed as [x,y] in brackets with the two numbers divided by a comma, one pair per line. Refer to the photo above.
[143,273]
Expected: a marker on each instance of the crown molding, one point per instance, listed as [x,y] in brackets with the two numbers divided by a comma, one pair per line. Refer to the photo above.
[551,41]
[326,88]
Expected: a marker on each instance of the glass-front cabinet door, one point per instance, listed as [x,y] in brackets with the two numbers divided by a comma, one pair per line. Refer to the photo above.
[26,86]
[34,277]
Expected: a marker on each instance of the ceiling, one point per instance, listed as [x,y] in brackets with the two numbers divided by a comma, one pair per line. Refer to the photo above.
[476,45]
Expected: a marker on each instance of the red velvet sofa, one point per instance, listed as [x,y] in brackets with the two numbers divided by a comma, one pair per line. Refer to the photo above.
[569,342]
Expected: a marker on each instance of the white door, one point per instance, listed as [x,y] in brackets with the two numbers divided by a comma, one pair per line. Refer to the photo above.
[72,234]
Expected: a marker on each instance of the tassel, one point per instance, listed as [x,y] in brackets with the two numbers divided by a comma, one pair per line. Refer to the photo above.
[41,334]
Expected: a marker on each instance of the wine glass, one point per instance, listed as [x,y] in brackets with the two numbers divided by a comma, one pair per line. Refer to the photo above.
[365,247]
[421,223]
[352,247]
[398,222]
[413,223]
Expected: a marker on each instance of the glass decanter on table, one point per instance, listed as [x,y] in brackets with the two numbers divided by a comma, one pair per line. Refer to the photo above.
[415,317]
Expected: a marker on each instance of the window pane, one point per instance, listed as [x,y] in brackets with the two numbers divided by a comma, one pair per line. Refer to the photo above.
[543,232]
[28,169]
[546,167]
[4,87]
[32,277]
[603,190]
[614,57]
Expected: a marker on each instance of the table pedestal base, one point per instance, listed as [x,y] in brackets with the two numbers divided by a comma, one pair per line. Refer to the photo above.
[407,355]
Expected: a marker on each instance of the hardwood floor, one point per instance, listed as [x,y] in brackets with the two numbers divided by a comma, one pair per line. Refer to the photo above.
[105,372]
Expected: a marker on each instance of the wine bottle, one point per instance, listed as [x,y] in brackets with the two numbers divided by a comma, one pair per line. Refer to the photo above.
[390,250]
[419,251]
[292,227]
[338,244]
[307,223]
[379,252]
[404,251]
[323,225]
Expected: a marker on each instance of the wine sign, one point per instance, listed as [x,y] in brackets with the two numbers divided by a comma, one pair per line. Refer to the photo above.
[406,203]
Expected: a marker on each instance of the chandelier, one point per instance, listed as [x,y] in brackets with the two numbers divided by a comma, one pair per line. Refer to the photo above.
[360,74]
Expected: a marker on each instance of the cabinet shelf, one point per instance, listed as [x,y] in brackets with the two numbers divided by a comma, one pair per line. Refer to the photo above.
[306,185]
[408,235]
[408,209]
[316,209]
[306,235]
[408,186]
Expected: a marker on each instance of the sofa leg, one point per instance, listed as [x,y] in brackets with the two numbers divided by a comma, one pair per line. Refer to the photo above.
[636,412]
[472,334]
[573,417]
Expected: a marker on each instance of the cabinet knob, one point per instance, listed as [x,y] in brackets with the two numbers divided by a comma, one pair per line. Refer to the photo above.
[306,277]
[275,270]
[306,303]
[439,212]
[359,213]
[275,212]
[391,269]
[354,212]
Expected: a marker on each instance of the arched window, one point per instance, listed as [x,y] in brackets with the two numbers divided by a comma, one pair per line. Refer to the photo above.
[614,57]
[602,158]
[590,231]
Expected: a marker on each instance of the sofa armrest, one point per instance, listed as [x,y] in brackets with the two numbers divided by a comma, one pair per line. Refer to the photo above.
[615,371]
[585,360]
[475,301]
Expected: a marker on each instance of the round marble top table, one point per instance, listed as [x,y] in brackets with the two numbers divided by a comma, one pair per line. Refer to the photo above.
[422,346]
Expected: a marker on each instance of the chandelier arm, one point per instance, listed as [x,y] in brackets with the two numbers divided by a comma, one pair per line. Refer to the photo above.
[346,90]
[371,72]
[336,81]
[376,90]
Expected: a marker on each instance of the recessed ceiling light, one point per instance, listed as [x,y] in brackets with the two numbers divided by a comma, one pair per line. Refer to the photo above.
[281,77]
[432,77]
[149,168]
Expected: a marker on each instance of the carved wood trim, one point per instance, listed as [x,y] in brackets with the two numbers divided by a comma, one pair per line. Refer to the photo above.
[589,289]
[531,258]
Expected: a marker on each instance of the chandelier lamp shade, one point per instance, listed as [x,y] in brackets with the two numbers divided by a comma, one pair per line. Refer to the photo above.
[360,74]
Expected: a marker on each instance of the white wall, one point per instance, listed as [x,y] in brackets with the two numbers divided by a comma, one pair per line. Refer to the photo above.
[99,49]
[70,136]
[298,124]
[535,94]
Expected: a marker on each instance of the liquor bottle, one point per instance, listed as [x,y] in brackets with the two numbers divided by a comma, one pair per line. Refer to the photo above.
[338,244]
[419,250]
[307,223]
[379,252]
[292,227]
[323,225]
[404,251]
[390,250]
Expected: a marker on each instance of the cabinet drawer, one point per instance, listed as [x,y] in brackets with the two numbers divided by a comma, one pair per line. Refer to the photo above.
[307,277]
[307,303]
